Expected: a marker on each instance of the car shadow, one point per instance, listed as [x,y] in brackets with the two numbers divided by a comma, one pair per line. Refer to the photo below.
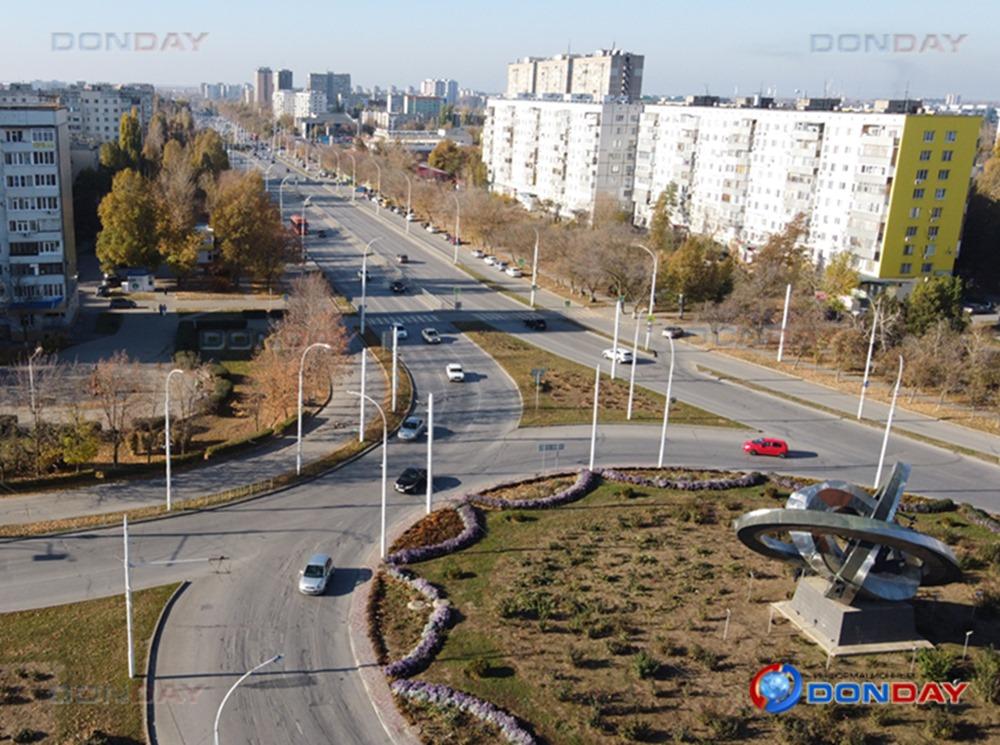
[474,377]
[345,579]
[441,483]
[801,454]
[442,433]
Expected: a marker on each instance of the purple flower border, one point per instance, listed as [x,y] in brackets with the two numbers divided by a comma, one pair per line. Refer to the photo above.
[586,481]
[754,478]
[471,532]
[441,695]
[431,636]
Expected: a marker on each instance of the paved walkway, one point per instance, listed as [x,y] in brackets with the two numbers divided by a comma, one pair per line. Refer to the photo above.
[335,425]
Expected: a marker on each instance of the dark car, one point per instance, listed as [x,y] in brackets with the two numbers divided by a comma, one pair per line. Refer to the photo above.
[103,291]
[977,307]
[673,332]
[402,258]
[122,302]
[397,287]
[411,480]
[321,234]
[538,324]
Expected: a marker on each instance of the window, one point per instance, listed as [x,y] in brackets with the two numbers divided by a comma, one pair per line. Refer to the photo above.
[921,175]
[946,155]
[929,250]
[943,174]
[928,135]
[914,212]
[43,135]
[911,231]
[44,158]
[926,268]
[936,213]
[925,155]
[918,193]
[939,193]
[906,268]
[14,135]
[951,135]
[44,179]
[24,248]
[908,250]
[932,232]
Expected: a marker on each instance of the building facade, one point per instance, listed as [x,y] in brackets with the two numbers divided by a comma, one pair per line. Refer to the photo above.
[613,72]
[283,80]
[889,188]
[562,153]
[263,87]
[37,247]
[335,86]
[445,89]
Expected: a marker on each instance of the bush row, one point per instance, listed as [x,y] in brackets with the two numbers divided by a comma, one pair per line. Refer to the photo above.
[586,481]
[432,635]
[718,484]
[471,532]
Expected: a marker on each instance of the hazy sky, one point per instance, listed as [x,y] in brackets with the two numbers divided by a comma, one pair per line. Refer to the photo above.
[721,45]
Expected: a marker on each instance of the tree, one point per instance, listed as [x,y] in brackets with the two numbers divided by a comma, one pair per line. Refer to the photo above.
[474,172]
[178,240]
[130,138]
[112,158]
[80,441]
[840,277]
[849,347]
[935,299]
[661,229]
[783,260]
[699,268]
[208,153]
[157,137]
[129,222]
[447,156]
[115,385]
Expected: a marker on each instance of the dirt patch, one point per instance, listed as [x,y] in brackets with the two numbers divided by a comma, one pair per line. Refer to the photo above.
[434,528]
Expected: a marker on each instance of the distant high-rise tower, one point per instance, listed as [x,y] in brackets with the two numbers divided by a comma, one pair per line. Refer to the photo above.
[264,88]
[282,80]
[446,89]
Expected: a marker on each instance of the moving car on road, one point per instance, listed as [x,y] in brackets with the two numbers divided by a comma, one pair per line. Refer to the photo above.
[490,259]
[621,354]
[401,332]
[402,258]
[500,266]
[477,253]
[455,372]
[766,446]
[398,286]
[411,480]
[314,578]
[411,428]
[977,307]
[430,228]
[538,324]
[410,216]
[321,234]
[673,332]
[514,272]
[431,336]
[122,303]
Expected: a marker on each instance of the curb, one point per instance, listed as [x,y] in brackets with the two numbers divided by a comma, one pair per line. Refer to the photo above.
[149,705]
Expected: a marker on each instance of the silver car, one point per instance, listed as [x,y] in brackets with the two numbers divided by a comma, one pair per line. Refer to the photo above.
[411,428]
[316,574]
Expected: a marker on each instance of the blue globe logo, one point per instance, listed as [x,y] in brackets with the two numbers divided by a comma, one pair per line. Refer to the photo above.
[776,688]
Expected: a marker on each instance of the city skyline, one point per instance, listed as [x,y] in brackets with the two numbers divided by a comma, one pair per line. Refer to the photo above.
[686,50]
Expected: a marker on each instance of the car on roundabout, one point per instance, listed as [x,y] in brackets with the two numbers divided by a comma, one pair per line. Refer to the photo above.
[411,428]
[771,446]
[622,355]
[401,332]
[455,372]
[673,332]
[314,578]
[411,480]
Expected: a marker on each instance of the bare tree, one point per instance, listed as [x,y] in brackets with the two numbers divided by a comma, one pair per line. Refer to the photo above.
[115,384]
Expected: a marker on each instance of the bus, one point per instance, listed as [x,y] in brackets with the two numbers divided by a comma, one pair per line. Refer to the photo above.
[300,225]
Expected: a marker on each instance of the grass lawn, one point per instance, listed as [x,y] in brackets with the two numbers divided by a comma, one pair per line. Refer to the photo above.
[567,390]
[64,669]
[601,621]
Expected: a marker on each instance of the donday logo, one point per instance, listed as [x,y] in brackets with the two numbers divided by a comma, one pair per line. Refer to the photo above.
[776,688]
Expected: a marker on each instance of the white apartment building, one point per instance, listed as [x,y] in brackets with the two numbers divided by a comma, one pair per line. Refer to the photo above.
[567,152]
[446,89]
[299,104]
[606,72]
[37,246]
[283,102]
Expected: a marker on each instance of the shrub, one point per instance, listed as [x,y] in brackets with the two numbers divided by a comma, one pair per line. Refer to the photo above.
[97,737]
[619,646]
[477,668]
[637,730]
[771,491]
[577,657]
[853,734]
[564,692]
[986,676]
[27,735]
[940,724]
[627,492]
[989,554]
[797,731]
[600,630]
[935,664]
[706,657]
[722,726]
[645,665]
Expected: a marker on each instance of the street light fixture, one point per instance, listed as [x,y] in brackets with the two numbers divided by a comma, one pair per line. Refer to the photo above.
[409,200]
[378,184]
[385,448]
[266,180]
[534,271]
[31,376]
[458,224]
[652,285]
[302,229]
[251,671]
[354,175]
[166,427]
[302,364]
[666,405]
[364,280]
[281,197]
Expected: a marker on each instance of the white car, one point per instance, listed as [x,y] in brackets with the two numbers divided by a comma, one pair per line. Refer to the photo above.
[455,372]
[410,217]
[490,259]
[314,578]
[622,355]
[477,253]
[401,332]
[431,228]
[513,271]
[500,266]
[431,336]
[411,428]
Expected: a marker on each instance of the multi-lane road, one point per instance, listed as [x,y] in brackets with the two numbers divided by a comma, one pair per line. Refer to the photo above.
[245,608]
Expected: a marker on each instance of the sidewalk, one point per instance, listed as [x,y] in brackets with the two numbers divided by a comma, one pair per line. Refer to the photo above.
[333,426]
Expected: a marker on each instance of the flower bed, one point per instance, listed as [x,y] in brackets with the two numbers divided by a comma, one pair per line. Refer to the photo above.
[441,695]
[719,484]
[432,635]
[471,531]
[586,481]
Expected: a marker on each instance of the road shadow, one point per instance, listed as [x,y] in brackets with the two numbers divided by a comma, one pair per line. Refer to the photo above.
[801,454]
[473,377]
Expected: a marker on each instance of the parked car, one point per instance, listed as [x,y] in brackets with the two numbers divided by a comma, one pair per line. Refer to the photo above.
[455,372]
[398,287]
[673,332]
[514,272]
[122,303]
[411,480]
[431,336]
[402,258]
[316,574]
[538,324]
[766,446]
[477,253]
[500,266]
[401,332]
[321,234]
[411,216]
[490,259]
[623,355]
[411,428]
[978,307]
[430,228]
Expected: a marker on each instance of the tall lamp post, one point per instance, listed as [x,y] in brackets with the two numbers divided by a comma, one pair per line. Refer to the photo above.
[784,322]
[247,674]
[302,229]
[652,284]
[266,180]
[378,184]
[302,365]
[385,449]
[281,197]
[888,423]
[534,271]
[166,427]
[631,373]
[354,175]
[458,225]
[409,200]
[666,405]
[31,376]
[364,281]
[868,363]
[593,425]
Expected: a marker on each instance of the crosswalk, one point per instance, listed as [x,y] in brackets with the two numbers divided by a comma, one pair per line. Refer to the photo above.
[377,319]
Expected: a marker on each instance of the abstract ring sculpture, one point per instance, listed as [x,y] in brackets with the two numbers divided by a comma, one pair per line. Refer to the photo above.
[851,539]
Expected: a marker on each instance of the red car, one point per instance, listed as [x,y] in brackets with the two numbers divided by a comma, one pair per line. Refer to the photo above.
[766,446]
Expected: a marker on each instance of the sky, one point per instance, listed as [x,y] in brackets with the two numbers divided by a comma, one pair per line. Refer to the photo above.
[724,47]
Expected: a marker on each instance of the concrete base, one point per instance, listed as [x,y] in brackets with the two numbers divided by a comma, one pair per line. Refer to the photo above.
[867,627]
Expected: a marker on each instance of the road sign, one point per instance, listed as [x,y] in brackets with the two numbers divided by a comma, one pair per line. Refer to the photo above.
[551,447]
[537,373]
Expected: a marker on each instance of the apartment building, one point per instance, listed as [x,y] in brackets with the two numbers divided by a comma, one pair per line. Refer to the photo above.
[445,89]
[282,80]
[890,188]
[561,151]
[37,247]
[606,72]
[263,87]
[335,86]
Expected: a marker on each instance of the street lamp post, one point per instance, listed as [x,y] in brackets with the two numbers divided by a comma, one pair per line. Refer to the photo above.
[652,284]
[364,281]
[666,405]
[430,449]
[281,197]
[409,199]
[302,229]
[614,344]
[784,322]
[302,364]
[631,374]
[31,377]
[385,449]
[593,425]
[868,364]
[354,175]
[534,271]
[458,225]
[888,423]
[395,363]
[166,427]
[378,185]
[266,180]
[251,671]
[128,601]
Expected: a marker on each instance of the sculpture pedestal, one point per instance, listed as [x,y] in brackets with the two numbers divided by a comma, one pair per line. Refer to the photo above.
[866,627]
